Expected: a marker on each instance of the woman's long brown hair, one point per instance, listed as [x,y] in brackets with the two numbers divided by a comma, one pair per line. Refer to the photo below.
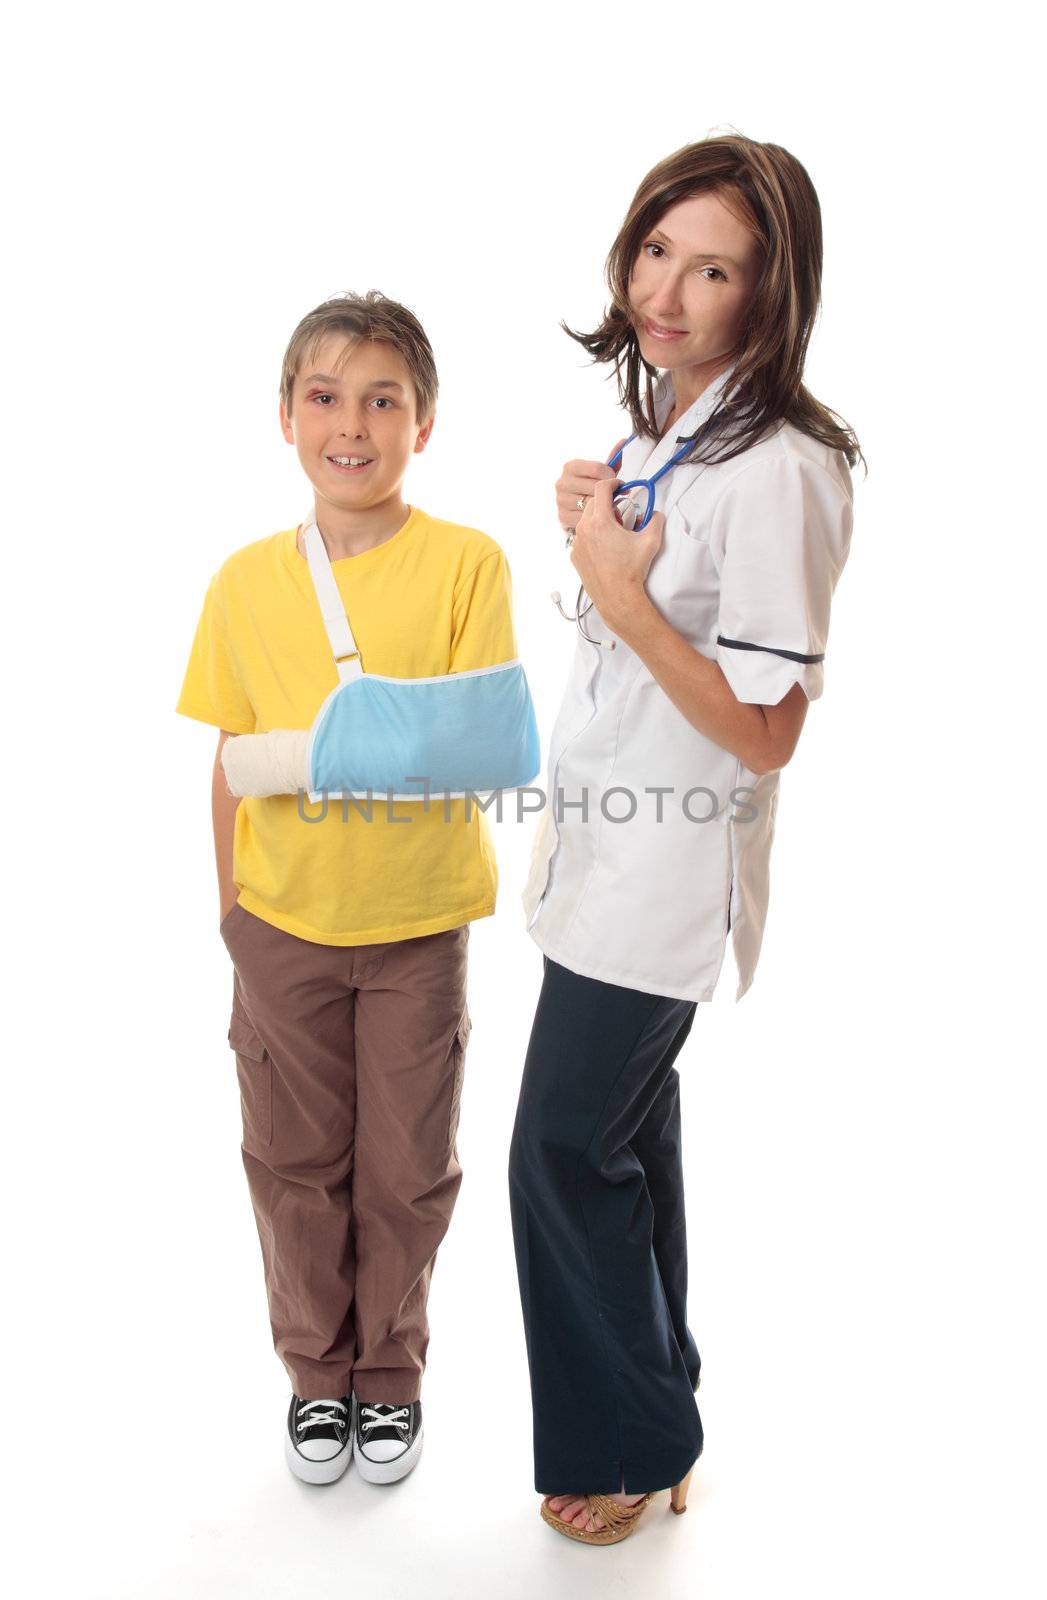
[771,193]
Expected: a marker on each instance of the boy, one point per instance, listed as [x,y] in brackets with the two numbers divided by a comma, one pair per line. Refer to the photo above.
[348,931]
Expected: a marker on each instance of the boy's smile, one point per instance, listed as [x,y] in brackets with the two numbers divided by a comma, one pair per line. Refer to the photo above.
[354,424]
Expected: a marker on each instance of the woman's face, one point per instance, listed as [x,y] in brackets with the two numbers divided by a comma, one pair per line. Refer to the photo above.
[690,288]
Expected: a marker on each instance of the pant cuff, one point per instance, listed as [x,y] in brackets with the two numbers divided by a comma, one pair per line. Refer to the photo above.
[322,1386]
[394,1386]
[641,1476]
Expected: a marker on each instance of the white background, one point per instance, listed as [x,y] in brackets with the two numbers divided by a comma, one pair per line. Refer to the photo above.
[864,1130]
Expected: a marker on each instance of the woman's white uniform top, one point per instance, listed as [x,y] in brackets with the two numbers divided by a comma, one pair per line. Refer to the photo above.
[633,886]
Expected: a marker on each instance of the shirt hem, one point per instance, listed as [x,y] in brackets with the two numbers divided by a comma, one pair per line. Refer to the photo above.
[622,980]
[389,935]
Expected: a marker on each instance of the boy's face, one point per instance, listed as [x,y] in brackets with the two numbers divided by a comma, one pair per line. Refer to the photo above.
[354,403]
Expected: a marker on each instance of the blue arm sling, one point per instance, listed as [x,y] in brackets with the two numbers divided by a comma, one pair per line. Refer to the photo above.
[461,733]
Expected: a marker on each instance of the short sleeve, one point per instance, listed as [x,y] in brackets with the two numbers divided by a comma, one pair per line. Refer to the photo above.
[781,531]
[212,691]
[482,619]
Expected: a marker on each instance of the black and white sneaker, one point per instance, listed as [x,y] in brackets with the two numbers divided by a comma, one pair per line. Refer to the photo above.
[318,1443]
[388,1440]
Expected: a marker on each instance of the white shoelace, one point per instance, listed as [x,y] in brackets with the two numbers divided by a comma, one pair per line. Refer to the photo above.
[319,1419]
[378,1421]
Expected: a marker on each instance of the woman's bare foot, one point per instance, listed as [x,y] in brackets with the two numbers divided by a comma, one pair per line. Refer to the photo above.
[571,1508]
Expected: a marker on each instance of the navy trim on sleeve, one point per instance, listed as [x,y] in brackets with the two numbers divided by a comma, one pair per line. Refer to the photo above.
[790,655]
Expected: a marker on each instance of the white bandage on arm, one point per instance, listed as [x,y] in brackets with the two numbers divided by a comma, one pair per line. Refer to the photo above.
[262,764]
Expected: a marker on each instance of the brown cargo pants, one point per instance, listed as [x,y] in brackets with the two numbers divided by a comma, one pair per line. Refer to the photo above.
[350,1061]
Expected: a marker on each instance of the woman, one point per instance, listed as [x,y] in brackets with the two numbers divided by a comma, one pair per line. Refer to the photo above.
[695,663]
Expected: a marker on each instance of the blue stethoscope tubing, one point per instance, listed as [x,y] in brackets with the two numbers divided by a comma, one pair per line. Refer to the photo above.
[646,484]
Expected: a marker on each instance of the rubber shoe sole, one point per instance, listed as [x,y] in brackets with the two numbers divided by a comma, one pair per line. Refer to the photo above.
[317,1471]
[390,1471]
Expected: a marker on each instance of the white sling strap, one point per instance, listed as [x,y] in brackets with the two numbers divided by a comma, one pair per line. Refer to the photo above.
[346,655]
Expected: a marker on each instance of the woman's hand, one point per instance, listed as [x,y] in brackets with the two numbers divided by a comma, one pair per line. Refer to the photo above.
[578,480]
[611,561]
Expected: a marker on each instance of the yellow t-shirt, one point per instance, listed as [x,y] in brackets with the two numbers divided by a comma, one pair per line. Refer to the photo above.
[434,598]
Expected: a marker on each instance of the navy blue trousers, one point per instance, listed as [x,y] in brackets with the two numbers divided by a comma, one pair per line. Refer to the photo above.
[596,1191]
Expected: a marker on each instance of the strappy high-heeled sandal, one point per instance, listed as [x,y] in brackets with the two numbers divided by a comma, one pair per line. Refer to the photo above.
[619,1521]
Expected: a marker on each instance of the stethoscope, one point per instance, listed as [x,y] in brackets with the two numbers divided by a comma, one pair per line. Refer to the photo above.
[583,605]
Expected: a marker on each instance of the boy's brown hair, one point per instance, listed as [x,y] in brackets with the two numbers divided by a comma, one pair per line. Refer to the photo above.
[365,316]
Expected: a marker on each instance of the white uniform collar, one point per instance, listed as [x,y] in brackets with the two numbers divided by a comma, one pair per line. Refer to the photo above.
[644,458]
[696,414]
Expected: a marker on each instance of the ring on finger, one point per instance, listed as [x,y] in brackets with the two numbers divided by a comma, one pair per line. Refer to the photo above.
[581,502]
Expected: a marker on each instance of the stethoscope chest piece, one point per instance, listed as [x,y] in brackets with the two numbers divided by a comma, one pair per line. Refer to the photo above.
[634,504]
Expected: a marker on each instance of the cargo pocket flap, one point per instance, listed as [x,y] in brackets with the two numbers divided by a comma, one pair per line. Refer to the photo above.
[244,1040]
